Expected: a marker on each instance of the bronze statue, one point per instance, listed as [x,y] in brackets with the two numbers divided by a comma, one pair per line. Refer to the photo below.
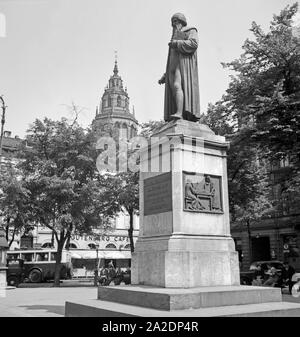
[181,77]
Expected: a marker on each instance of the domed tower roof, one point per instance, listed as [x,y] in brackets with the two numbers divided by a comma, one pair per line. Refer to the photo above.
[114,105]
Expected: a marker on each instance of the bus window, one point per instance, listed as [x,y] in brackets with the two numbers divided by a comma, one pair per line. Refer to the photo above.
[41,257]
[27,257]
[53,257]
[13,256]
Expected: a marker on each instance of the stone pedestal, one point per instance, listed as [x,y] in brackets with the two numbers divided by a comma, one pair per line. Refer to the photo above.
[184,242]
[3,277]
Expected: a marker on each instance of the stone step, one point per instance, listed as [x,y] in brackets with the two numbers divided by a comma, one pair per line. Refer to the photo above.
[189,298]
[97,308]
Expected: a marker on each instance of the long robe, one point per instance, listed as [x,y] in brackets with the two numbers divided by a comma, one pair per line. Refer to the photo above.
[187,50]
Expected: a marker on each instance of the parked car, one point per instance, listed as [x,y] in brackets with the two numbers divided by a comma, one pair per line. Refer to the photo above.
[246,277]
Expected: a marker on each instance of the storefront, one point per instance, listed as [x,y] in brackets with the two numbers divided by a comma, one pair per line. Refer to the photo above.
[84,262]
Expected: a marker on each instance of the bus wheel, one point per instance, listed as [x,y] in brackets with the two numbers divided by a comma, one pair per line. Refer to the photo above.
[13,281]
[35,276]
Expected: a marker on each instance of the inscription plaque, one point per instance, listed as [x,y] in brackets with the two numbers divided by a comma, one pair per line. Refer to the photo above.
[202,193]
[158,194]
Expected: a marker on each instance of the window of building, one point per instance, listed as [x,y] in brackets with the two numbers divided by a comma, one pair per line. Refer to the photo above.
[47,245]
[290,246]
[26,241]
[127,246]
[110,246]
[284,162]
[72,246]
[119,101]
[92,246]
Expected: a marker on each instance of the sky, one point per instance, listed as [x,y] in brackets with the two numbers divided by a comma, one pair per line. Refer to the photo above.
[55,52]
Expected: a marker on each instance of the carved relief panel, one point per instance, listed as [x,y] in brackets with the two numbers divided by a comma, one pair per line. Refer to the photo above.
[202,193]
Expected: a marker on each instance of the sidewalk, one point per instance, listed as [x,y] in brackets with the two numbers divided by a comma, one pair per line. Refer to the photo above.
[42,302]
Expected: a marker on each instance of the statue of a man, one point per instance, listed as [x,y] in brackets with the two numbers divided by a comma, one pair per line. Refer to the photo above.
[181,77]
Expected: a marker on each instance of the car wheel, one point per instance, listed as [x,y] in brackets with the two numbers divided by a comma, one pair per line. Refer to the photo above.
[13,281]
[35,276]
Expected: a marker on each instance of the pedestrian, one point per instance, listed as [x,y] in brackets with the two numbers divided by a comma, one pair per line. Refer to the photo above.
[259,272]
[258,281]
[287,274]
[273,278]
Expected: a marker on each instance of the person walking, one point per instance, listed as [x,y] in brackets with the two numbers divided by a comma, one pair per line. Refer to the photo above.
[287,274]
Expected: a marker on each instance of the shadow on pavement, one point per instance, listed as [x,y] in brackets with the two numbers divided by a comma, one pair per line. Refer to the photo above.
[56,309]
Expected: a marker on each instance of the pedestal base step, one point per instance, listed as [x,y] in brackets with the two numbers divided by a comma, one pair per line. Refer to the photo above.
[190,298]
[96,308]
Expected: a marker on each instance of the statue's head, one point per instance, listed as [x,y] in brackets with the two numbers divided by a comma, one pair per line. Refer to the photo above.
[178,17]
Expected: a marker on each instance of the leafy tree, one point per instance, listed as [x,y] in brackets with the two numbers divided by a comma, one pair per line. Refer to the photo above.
[264,93]
[248,183]
[65,189]
[259,114]
[15,209]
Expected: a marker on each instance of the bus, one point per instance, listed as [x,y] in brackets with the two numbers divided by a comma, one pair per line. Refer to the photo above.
[39,265]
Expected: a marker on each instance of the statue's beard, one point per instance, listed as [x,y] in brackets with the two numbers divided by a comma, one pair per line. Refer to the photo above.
[177,27]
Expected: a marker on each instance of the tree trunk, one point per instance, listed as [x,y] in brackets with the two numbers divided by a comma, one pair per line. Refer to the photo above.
[68,240]
[60,245]
[130,231]
[7,230]
[12,239]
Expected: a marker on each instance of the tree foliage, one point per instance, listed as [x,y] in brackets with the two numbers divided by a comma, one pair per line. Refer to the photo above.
[260,115]
[65,188]
[264,94]
[15,207]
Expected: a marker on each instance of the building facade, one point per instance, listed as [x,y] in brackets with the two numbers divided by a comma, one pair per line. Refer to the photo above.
[276,237]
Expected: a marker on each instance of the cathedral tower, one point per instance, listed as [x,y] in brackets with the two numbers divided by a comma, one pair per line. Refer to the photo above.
[113,117]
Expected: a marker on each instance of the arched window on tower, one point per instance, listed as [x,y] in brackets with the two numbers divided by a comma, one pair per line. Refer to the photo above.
[127,103]
[104,103]
[110,101]
[133,132]
[117,129]
[123,131]
[119,101]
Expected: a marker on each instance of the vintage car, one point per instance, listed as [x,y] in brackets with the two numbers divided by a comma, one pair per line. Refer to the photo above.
[246,277]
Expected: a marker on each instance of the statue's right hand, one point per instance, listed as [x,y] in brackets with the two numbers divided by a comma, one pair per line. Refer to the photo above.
[162,80]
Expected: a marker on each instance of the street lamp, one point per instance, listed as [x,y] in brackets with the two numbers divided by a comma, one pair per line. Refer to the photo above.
[96,267]
[2,123]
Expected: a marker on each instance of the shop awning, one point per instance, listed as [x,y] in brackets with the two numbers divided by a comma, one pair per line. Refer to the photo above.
[113,254]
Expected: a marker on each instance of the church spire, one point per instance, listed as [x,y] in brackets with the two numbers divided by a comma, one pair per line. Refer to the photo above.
[116,70]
